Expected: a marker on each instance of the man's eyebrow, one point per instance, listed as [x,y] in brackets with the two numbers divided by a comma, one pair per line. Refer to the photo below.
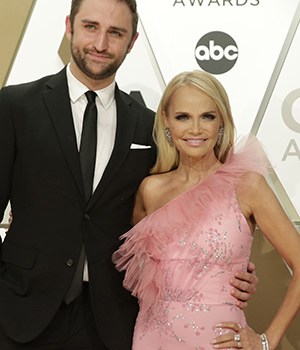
[120,29]
[88,21]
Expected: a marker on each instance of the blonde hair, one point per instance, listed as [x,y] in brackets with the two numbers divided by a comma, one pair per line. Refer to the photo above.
[167,155]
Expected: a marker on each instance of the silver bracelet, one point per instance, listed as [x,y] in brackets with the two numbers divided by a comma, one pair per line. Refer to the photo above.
[264,342]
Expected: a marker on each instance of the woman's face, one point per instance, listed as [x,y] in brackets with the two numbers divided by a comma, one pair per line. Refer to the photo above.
[194,122]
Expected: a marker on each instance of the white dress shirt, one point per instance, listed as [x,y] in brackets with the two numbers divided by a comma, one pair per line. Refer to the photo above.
[106,124]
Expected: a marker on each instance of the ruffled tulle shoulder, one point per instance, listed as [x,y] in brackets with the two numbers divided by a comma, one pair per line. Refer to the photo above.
[139,255]
[247,154]
[144,244]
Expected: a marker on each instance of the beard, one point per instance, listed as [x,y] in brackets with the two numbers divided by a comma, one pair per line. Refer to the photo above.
[80,58]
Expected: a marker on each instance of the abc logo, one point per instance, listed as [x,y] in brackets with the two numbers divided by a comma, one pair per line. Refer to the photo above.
[216,52]
[287,110]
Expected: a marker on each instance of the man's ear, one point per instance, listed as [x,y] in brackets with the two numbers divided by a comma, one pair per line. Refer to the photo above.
[69,31]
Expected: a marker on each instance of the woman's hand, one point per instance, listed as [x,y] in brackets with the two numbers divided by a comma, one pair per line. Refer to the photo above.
[239,338]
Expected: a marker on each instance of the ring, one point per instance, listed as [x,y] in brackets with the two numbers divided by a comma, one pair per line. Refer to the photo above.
[237,337]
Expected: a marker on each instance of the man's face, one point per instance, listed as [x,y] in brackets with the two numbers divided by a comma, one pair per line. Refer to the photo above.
[100,40]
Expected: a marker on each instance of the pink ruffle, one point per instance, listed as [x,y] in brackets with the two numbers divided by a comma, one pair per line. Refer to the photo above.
[144,244]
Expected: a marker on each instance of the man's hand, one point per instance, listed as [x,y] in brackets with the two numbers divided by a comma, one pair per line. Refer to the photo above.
[10,217]
[244,285]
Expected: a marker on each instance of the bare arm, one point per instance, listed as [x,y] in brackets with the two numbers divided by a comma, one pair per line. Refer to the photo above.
[139,210]
[149,197]
[278,229]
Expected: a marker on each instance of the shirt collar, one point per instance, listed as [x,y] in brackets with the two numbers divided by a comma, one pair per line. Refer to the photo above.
[77,89]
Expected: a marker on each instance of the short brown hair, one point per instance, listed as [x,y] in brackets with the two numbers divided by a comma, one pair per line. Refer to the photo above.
[75,5]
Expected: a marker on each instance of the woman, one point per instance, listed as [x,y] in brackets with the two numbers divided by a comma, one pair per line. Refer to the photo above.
[194,223]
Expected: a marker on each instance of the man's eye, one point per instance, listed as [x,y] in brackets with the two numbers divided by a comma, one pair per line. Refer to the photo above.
[115,33]
[90,26]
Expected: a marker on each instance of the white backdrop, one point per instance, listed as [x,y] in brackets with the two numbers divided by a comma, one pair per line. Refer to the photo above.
[263,35]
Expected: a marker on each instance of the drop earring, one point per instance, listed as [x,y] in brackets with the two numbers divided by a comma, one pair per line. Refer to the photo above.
[169,137]
[220,136]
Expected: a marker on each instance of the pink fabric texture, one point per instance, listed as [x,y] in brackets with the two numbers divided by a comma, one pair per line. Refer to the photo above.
[180,258]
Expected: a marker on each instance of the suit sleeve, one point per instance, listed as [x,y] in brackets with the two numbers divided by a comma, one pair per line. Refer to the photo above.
[7,149]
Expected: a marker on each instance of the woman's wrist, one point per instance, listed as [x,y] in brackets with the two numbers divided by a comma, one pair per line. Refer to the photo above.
[264,342]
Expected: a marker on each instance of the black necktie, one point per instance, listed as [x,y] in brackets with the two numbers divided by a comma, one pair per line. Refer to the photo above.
[87,152]
[88,144]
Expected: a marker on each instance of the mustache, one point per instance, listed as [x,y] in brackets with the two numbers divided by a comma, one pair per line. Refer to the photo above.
[95,51]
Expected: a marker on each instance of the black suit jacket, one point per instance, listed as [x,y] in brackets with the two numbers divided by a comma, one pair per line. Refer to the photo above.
[40,175]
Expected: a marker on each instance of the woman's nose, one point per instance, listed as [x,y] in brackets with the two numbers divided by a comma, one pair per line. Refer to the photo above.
[196,127]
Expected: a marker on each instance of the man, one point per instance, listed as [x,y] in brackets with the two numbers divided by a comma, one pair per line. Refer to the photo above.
[42,175]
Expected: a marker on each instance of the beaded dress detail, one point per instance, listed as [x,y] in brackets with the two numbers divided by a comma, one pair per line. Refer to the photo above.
[180,258]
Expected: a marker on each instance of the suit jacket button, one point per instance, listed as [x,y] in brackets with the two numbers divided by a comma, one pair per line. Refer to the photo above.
[86,217]
[69,262]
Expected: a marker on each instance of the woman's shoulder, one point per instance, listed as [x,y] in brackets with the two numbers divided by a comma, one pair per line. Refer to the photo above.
[155,181]
[149,194]
[250,189]
[252,178]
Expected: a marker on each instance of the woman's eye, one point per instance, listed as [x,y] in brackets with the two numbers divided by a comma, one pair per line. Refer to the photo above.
[209,116]
[181,117]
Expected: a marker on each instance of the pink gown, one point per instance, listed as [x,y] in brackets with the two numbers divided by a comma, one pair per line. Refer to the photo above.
[180,258]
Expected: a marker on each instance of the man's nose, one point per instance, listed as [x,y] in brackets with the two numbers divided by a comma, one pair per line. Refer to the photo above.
[101,42]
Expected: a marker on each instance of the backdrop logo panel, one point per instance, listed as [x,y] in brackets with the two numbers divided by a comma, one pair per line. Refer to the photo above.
[14,16]
[278,123]
[287,110]
[289,113]
[216,52]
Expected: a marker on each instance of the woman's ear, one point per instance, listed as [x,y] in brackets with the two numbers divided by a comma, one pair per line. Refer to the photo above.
[165,119]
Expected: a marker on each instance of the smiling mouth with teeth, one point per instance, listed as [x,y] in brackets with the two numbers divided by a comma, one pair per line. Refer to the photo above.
[195,142]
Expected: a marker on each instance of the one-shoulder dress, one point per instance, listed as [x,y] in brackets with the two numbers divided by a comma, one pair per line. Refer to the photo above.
[180,258]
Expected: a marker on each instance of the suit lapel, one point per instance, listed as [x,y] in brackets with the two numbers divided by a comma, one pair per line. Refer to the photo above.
[57,100]
[126,122]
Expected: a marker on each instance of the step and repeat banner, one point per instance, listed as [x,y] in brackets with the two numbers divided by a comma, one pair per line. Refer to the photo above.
[251,46]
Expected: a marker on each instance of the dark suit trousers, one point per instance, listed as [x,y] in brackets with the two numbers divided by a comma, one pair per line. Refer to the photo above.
[73,328]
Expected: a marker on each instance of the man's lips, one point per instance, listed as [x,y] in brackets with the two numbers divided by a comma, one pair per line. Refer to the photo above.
[99,56]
